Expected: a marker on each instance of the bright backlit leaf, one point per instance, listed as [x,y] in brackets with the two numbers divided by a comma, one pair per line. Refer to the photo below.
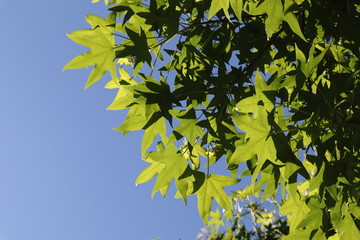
[213,188]
[102,54]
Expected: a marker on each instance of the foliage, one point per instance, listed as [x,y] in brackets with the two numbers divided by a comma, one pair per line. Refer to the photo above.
[269,88]
[249,220]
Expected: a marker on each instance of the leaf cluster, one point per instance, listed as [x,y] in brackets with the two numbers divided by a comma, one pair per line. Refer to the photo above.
[268,88]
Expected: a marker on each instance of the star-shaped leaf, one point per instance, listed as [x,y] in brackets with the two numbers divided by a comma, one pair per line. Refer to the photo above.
[260,142]
[188,126]
[212,187]
[101,55]
[263,96]
[137,47]
[277,12]
[167,164]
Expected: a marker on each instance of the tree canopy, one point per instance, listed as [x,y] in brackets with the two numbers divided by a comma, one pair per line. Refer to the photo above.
[268,88]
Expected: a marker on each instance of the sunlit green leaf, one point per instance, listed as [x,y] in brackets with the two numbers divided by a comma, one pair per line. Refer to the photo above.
[101,55]
[237,6]
[347,228]
[260,141]
[174,166]
[212,188]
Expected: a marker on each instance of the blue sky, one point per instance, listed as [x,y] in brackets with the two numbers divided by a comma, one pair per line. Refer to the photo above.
[64,173]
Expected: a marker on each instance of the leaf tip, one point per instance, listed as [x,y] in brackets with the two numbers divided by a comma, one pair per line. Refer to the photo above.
[67,66]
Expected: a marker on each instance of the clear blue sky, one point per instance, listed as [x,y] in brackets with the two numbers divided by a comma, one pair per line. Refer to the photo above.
[64,173]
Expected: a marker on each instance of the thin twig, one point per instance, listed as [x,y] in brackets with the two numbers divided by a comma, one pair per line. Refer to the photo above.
[247,16]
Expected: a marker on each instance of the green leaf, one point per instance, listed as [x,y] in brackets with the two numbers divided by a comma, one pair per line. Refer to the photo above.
[185,184]
[334,237]
[303,234]
[263,98]
[298,209]
[237,6]
[216,219]
[105,25]
[135,120]
[217,5]
[300,56]
[276,14]
[314,216]
[320,235]
[260,142]
[165,164]
[307,67]
[274,11]
[291,19]
[125,95]
[188,126]
[149,172]
[274,19]
[174,166]
[213,188]
[155,129]
[138,48]
[102,54]
[347,228]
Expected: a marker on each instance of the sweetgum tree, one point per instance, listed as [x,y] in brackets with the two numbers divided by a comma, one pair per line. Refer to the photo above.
[270,88]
